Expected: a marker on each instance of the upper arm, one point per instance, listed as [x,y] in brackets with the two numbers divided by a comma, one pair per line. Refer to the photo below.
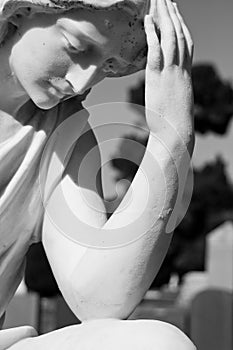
[76,197]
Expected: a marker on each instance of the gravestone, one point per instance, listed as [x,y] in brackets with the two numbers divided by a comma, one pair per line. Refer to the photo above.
[219,257]
[211,320]
[22,310]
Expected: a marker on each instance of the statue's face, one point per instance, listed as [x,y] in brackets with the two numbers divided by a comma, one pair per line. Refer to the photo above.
[58,55]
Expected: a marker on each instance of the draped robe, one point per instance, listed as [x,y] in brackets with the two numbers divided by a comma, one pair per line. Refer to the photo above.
[22,141]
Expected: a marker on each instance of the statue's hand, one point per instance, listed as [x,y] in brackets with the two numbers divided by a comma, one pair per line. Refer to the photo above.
[168,71]
[9,337]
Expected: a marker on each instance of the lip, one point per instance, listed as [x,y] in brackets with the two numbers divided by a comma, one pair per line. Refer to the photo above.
[64,98]
[54,92]
[62,92]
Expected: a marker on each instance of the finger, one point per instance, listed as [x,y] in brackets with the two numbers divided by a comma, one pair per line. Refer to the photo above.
[153,11]
[181,45]
[153,7]
[188,37]
[8,337]
[154,52]
[168,35]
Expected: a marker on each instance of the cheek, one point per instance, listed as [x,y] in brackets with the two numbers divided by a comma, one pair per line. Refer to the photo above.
[22,66]
[55,61]
[34,66]
[37,62]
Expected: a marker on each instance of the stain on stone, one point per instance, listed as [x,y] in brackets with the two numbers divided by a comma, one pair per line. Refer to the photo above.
[108,24]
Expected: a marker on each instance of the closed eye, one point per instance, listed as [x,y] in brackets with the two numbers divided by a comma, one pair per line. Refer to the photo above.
[73,45]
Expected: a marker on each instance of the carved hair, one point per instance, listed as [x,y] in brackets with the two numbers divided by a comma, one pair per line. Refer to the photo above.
[11,9]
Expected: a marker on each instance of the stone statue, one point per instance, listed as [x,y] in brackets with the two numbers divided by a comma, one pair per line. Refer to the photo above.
[52,53]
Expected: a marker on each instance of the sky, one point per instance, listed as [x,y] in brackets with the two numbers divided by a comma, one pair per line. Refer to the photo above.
[211,25]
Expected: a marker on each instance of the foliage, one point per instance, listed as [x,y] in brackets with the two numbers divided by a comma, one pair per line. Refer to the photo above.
[213,100]
[212,200]
[38,275]
[211,205]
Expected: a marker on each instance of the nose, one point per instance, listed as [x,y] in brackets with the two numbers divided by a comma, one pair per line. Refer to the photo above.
[62,86]
[82,79]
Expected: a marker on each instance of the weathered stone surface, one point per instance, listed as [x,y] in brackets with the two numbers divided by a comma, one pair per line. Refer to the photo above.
[136,9]
[111,334]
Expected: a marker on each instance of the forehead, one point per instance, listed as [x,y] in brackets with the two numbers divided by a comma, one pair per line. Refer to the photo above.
[115,31]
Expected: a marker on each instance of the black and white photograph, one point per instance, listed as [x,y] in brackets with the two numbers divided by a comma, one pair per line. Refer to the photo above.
[116,175]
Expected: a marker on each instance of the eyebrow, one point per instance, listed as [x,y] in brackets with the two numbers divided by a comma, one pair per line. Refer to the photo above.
[74,30]
[71,27]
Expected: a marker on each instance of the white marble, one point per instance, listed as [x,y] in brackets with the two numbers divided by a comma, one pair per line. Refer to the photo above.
[49,61]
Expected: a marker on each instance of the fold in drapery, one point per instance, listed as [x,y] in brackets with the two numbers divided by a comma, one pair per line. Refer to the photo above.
[22,141]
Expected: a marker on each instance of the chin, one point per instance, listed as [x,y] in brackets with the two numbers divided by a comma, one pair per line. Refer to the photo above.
[46,103]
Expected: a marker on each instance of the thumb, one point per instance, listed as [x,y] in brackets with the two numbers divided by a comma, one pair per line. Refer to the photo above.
[10,336]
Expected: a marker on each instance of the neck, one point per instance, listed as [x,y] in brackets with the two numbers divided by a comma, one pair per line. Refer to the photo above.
[12,95]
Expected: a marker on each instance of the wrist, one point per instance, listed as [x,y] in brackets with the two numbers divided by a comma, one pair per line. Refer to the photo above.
[173,134]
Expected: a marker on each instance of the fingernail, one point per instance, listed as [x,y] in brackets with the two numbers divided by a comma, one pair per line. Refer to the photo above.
[146,18]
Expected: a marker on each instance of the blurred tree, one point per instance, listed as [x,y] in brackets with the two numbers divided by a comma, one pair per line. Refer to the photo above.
[213,98]
[211,205]
[212,200]
[38,275]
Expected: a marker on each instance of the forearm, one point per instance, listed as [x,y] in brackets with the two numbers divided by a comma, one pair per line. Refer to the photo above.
[122,275]
[110,278]
[165,163]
